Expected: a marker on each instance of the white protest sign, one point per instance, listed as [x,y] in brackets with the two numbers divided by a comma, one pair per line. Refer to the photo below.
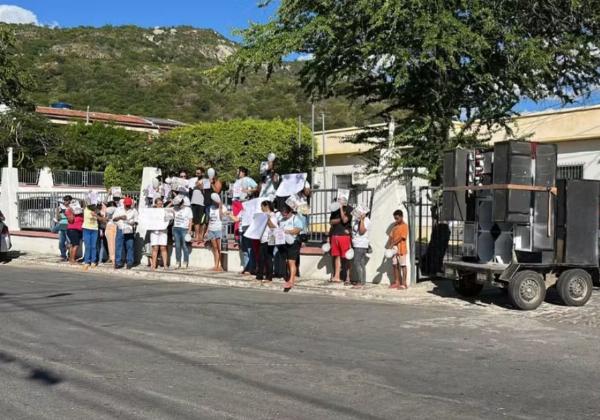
[279,235]
[291,184]
[237,189]
[257,227]
[116,192]
[153,219]
[343,194]
[206,184]
[251,207]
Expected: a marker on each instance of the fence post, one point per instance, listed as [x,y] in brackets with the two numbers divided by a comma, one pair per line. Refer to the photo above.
[412,219]
[8,197]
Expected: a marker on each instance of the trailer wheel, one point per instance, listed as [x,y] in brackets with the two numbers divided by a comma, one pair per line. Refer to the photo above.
[574,287]
[527,290]
[466,285]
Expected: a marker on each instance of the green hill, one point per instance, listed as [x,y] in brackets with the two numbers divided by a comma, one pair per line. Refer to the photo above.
[158,72]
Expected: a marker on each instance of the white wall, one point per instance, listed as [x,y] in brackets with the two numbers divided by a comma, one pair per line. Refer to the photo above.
[586,152]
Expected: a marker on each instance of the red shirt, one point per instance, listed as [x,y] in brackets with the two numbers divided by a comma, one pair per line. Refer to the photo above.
[77,220]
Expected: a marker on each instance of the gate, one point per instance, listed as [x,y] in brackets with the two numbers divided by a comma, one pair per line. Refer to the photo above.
[435,241]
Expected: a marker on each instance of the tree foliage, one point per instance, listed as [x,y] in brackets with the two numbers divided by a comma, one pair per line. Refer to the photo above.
[226,145]
[438,61]
[14,82]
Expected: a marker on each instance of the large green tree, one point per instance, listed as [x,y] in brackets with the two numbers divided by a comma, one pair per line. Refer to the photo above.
[436,61]
[14,82]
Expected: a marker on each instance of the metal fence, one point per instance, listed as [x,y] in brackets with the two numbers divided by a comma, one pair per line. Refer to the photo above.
[435,241]
[78,178]
[318,220]
[29,177]
[37,210]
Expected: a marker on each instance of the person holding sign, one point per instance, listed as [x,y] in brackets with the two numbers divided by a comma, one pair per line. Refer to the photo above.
[264,266]
[290,227]
[215,229]
[182,225]
[341,237]
[158,240]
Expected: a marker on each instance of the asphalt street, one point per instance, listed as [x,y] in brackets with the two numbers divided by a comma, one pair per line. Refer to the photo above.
[89,346]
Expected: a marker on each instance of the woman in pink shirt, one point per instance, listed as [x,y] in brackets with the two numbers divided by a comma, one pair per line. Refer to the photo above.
[74,228]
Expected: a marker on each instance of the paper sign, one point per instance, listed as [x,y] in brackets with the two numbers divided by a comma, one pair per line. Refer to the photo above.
[343,194]
[291,184]
[192,182]
[251,207]
[257,227]
[153,219]
[206,184]
[279,235]
[116,192]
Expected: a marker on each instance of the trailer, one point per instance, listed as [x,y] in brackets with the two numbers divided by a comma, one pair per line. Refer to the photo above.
[524,230]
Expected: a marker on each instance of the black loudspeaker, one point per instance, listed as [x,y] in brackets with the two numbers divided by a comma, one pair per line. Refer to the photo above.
[577,222]
[545,164]
[543,221]
[512,165]
[454,205]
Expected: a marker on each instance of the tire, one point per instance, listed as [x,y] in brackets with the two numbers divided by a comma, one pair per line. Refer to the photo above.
[575,287]
[527,290]
[466,285]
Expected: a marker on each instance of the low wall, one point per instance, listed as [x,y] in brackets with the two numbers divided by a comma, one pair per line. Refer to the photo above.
[312,264]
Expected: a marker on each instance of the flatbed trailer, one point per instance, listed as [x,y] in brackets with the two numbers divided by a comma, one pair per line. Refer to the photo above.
[526,283]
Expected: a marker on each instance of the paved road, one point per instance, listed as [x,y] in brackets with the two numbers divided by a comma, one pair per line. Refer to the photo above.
[92,347]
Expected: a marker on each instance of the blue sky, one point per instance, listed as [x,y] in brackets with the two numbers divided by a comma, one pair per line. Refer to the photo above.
[220,15]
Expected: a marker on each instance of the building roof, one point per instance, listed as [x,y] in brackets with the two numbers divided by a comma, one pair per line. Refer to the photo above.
[131,121]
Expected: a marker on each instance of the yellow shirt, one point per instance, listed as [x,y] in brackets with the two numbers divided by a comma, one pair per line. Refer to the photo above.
[89,222]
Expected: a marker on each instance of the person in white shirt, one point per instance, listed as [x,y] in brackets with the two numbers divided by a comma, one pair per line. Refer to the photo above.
[247,186]
[215,229]
[360,243]
[292,225]
[158,241]
[182,226]
[264,266]
[126,218]
[198,206]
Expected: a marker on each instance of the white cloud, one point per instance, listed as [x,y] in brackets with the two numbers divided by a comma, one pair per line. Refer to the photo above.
[16,14]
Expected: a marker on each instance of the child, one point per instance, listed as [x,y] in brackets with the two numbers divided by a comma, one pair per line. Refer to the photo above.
[398,237]
[215,229]
[360,243]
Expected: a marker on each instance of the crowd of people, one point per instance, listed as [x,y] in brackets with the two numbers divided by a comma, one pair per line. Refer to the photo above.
[269,228]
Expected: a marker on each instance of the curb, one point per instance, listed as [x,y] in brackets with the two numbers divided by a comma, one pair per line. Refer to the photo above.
[373,293]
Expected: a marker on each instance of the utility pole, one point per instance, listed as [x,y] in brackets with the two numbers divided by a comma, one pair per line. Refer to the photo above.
[312,127]
[323,152]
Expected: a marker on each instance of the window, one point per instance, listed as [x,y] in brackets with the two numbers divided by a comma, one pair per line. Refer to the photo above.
[343,181]
[569,172]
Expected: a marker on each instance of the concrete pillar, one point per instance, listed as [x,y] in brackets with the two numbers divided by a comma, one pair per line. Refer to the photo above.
[8,197]
[46,180]
[389,196]
[147,176]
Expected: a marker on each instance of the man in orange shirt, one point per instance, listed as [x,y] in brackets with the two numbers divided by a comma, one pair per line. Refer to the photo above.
[398,237]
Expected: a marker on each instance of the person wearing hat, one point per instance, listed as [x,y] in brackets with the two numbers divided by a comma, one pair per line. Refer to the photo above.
[214,232]
[74,215]
[126,218]
[182,226]
[61,226]
[360,243]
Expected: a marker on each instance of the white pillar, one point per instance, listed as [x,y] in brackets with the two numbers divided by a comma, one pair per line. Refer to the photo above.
[46,180]
[388,197]
[8,197]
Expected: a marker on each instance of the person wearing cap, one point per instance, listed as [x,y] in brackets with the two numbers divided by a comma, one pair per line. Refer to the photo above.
[60,218]
[360,243]
[341,237]
[126,218]
[215,229]
[182,226]
[74,215]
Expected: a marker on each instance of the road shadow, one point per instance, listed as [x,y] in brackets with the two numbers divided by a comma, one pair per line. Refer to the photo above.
[34,373]
[7,257]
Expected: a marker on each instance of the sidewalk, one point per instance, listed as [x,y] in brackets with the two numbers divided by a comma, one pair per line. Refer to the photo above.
[417,294]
